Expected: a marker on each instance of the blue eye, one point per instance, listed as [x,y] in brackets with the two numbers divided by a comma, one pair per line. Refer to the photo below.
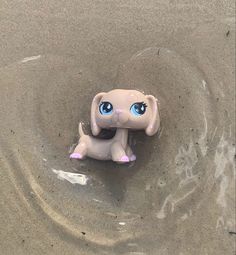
[138,109]
[105,108]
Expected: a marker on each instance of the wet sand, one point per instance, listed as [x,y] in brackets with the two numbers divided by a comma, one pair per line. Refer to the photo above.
[179,196]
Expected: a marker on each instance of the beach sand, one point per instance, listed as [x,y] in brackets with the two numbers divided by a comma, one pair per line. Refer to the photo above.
[178,198]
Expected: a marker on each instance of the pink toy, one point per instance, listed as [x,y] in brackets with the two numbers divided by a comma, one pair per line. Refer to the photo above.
[121,109]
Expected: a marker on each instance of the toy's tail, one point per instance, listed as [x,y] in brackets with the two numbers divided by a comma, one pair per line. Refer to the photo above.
[80,128]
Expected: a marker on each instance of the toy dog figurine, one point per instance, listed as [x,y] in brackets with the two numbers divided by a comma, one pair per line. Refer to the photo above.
[121,109]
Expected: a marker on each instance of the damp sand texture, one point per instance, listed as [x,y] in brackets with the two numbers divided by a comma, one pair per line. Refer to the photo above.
[179,196]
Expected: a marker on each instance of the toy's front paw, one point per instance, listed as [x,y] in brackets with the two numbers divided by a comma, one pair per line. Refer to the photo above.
[132,158]
[124,159]
[76,155]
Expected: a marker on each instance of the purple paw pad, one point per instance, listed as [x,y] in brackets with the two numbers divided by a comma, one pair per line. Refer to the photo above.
[76,155]
[124,159]
[132,158]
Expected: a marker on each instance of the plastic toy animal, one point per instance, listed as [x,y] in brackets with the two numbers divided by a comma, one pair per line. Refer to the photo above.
[121,109]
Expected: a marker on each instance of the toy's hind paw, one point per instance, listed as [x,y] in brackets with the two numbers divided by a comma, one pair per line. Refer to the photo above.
[76,155]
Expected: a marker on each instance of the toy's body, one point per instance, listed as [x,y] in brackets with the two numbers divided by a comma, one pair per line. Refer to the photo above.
[116,149]
[121,109]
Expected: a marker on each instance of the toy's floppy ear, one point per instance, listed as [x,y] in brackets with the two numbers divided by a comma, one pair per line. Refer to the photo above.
[96,100]
[154,122]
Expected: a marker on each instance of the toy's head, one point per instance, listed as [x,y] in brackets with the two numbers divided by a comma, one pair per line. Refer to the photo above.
[122,108]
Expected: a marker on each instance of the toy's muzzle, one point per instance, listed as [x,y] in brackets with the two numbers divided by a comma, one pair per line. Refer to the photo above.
[120,117]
